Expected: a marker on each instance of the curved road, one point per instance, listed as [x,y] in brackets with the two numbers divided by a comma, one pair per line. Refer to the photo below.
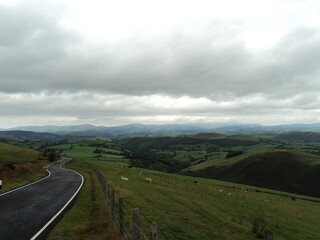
[25,211]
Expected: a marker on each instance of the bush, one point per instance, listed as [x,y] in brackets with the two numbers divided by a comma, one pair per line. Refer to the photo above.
[258,226]
[52,157]
[10,166]
[233,154]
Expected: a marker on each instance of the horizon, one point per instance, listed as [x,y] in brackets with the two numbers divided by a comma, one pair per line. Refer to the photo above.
[111,63]
[198,124]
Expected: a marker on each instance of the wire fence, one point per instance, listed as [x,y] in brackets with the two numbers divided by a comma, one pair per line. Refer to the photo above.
[132,224]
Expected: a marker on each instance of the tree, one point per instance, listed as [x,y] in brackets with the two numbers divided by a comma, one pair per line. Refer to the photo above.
[52,156]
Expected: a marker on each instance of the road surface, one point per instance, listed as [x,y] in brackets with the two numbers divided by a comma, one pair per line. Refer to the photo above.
[24,212]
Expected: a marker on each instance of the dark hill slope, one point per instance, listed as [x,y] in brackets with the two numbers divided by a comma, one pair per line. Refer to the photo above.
[299,136]
[30,135]
[281,170]
[148,143]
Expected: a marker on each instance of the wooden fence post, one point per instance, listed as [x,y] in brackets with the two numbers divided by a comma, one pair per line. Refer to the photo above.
[136,223]
[107,193]
[154,231]
[121,217]
[105,189]
[112,204]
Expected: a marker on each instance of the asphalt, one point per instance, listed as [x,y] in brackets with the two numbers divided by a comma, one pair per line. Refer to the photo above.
[25,211]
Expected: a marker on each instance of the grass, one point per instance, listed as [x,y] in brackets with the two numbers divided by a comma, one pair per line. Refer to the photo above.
[10,153]
[84,151]
[88,218]
[22,174]
[19,166]
[220,161]
[186,210]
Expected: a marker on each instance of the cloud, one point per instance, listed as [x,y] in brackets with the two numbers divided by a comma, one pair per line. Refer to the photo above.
[197,67]
[101,109]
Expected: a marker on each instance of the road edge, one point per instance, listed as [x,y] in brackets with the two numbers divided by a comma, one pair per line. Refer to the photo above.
[43,232]
[29,184]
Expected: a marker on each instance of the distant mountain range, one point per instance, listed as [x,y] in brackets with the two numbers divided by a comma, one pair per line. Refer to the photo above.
[137,129]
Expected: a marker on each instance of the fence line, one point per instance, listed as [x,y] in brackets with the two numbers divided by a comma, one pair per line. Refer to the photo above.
[129,224]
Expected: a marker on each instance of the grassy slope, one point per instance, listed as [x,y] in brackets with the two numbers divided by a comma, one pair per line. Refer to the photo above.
[79,150]
[88,218]
[10,153]
[280,169]
[185,210]
[19,166]
[257,148]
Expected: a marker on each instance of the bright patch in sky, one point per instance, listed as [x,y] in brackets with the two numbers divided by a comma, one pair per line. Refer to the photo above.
[259,37]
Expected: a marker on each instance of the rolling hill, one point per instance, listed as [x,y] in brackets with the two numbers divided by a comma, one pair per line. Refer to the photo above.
[19,166]
[147,143]
[29,135]
[278,169]
[169,129]
[299,136]
[9,153]
[116,132]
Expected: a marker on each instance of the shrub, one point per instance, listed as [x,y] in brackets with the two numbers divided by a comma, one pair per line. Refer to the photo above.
[258,226]
[9,166]
[233,154]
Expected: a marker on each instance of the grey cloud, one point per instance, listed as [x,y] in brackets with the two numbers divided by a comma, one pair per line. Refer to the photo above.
[37,55]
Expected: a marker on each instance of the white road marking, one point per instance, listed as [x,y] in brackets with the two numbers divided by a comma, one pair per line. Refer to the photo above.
[61,210]
[16,189]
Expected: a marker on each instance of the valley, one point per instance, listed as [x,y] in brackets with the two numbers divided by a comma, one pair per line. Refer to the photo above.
[204,186]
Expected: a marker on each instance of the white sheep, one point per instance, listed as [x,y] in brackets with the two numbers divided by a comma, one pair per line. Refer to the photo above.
[124,178]
[148,180]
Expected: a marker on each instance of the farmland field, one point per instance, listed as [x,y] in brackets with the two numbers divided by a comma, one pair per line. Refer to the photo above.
[209,209]
[186,207]
[87,151]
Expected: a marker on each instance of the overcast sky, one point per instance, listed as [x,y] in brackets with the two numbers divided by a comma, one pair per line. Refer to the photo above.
[115,62]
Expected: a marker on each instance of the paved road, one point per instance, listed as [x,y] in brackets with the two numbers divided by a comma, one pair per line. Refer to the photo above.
[25,211]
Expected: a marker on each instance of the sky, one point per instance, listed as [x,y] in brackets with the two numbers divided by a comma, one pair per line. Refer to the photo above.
[114,62]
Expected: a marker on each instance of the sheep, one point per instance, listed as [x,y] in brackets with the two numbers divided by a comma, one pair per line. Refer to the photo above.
[124,178]
[148,180]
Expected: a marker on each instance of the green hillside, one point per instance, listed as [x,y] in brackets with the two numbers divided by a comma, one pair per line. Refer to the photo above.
[189,208]
[278,169]
[10,153]
[200,140]
[19,166]
[299,136]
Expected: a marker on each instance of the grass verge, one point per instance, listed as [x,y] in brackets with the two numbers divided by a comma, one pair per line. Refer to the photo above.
[188,208]
[18,174]
[88,218]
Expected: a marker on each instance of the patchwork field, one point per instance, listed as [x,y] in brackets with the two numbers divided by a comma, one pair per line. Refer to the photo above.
[89,151]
